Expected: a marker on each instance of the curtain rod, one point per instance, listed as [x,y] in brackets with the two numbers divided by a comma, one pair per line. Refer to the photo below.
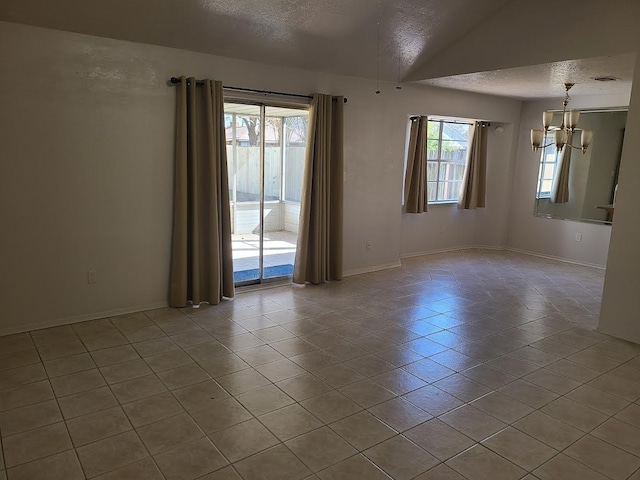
[484,124]
[175,81]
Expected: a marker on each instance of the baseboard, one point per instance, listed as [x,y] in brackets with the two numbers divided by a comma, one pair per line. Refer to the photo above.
[558,259]
[452,249]
[360,271]
[80,318]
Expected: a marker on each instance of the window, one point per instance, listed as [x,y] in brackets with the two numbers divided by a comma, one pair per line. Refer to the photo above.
[447,143]
[548,166]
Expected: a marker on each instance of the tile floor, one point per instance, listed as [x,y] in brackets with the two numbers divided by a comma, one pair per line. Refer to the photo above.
[474,364]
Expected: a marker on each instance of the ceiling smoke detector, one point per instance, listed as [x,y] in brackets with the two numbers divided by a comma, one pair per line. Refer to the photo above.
[605,79]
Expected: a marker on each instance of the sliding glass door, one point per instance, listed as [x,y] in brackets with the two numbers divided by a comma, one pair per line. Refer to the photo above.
[265,153]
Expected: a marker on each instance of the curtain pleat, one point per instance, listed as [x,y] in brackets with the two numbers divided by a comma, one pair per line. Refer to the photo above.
[560,188]
[319,248]
[201,251]
[415,179]
[473,190]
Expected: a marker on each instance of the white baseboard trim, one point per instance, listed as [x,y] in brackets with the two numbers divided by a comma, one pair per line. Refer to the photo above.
[360,271]
[79,318]
[452,249]
[558,259]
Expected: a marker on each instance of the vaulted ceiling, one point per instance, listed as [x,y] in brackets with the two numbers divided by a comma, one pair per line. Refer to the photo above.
[504,47]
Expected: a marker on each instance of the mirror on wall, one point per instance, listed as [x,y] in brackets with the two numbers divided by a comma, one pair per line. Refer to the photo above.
[591,177]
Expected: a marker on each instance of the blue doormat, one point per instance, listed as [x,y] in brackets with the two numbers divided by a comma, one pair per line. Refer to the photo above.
[269,272]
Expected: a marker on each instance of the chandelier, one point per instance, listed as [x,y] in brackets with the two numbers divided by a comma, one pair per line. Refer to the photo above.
[565,131]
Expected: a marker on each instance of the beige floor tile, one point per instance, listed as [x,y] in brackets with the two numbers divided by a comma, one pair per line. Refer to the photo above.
[574,414]
[280,370]
[96,426]
[355,468]
[49,336]
[320,448]
[293,346]
[61,349]
[67,365]
[92,328]
[314,360]
[528,393]
[190,460]
[367,393]
[16,343]
[290,421]
[338,375]
[242,381]
[264,400]
[138,388]
[428,370]
[400,414]
[131,321]
[34,444]
[87,402]
[155,346]
[77,382]
[226,473]
[243,440]
[462,387]
[223,365]
[439,439]
[519,448]
[104,341]
[9,360]
[630,415]
[433,400]
[502,407]
[242,341]
[597,399]
[151,409]
[572,370]
[22,375]
[535,356]
[303,386]
[473,422]
[200,395]
[183,376]
[111,453]
[548,430]
[441,472]
[620,434]
[191,338]
[455,360]
[594,361]
[260,355]
[29,417]
[121,372]
[400,458]
[369,365]
[552,381]
[330,407]
[113,355]
[276,463]
[399,381]
[62,466]
[220,414]
[207,351]
[168,433]
[488,376]
[512,365]
[481,463]
[617,386]
[145,469]
[603,457]
[362,430]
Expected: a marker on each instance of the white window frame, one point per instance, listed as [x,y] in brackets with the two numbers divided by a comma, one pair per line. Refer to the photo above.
[549,156]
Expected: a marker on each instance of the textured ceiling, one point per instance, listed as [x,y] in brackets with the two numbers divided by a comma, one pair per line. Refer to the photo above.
[440,42]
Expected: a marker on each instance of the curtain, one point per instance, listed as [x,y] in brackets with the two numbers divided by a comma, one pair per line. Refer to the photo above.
[319,249]
[415,179]
[560,188]
[473,190]
[201,259]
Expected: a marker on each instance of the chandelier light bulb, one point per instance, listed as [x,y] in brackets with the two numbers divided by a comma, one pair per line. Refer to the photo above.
[536,139]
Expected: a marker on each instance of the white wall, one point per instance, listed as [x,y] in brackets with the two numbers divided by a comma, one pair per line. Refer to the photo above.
[620,315]
[545,236]
[86,135]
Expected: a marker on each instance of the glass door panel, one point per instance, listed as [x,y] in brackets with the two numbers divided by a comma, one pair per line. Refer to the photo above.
[265,153]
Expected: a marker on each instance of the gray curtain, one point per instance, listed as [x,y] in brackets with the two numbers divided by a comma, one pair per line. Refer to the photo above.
[201,258]
[415,179]
[560,188]
[474,183]
[319,250]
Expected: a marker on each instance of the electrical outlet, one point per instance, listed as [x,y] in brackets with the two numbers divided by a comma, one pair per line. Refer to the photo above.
[578,237]
[368,245]
[92,276]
